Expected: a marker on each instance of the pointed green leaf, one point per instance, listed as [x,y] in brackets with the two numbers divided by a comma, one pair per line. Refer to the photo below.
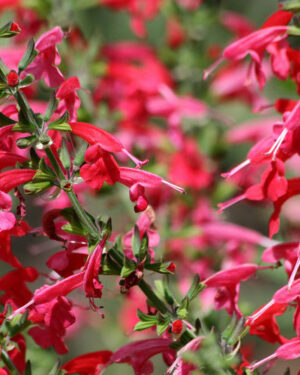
[128,267]
[163,322]
[182,310]
[136,241]
[27,81]
[51,108]
[140,326]
[4,120]
[28,368]
[143,252]
[28,56]
[195,288]
[6,32]
[64,154]
[145,317]
[79,158]
[37,187]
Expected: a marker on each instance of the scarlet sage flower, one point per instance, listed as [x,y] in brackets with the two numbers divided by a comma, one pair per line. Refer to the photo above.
[15,177]
[228,284]
[94,135]
[91,283]
[253,44]
[138,353]
[69,99]
[45,64]
[263,322]
[289,350]
[88,364]
[52,318]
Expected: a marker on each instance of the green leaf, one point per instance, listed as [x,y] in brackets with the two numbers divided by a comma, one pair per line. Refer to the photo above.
[5,31]
[136,241]
[28,368]
[37,187]
[167,293]
[79,158]
[163,322]
[128,267]
[61,123]
[26,115]
[182,310]
[29,55]
[21,127]
[44,173]
[159,267]
[64,154]
[3,71]
[27,81]
[74,225]
[56,369]
[4,120]
[226,334]
[145,317]
[64,127]
[195,288]
[294,30]
[143,252]
[52,105]
[140,326]
[26,141]
[108,266]
[293,6]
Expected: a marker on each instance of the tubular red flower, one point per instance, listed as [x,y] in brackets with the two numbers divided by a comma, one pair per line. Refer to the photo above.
[15,177]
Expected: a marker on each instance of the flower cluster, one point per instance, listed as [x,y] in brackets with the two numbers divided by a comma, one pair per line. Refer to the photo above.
[113,154]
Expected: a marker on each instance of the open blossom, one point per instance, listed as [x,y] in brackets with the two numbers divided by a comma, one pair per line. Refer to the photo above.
[228,284]
[88,364]
[52,318]
[45,64]
[256,43]
[69,99]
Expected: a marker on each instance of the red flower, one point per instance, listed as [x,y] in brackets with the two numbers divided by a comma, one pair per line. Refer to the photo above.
[88,364]
[12,78]
[91,283]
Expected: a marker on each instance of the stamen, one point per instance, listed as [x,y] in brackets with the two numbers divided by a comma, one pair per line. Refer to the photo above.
[295,270]
[230,202]
[175,187]
[20,310]
[207,72]
[262,362]
[138,162]
[261,311]
[236,169]
[274,149]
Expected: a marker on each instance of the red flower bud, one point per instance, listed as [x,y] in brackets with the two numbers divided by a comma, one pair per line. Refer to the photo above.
[171,267]
[12,78]
[177,327]
[15,27]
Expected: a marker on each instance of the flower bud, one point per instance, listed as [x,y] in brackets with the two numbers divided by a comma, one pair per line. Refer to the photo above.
[12,78]
[177,327]
[15,27]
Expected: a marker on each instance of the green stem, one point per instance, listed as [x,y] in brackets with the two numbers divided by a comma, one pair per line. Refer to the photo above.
[82,215]
[156,301]
[55,164]
[8,363]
